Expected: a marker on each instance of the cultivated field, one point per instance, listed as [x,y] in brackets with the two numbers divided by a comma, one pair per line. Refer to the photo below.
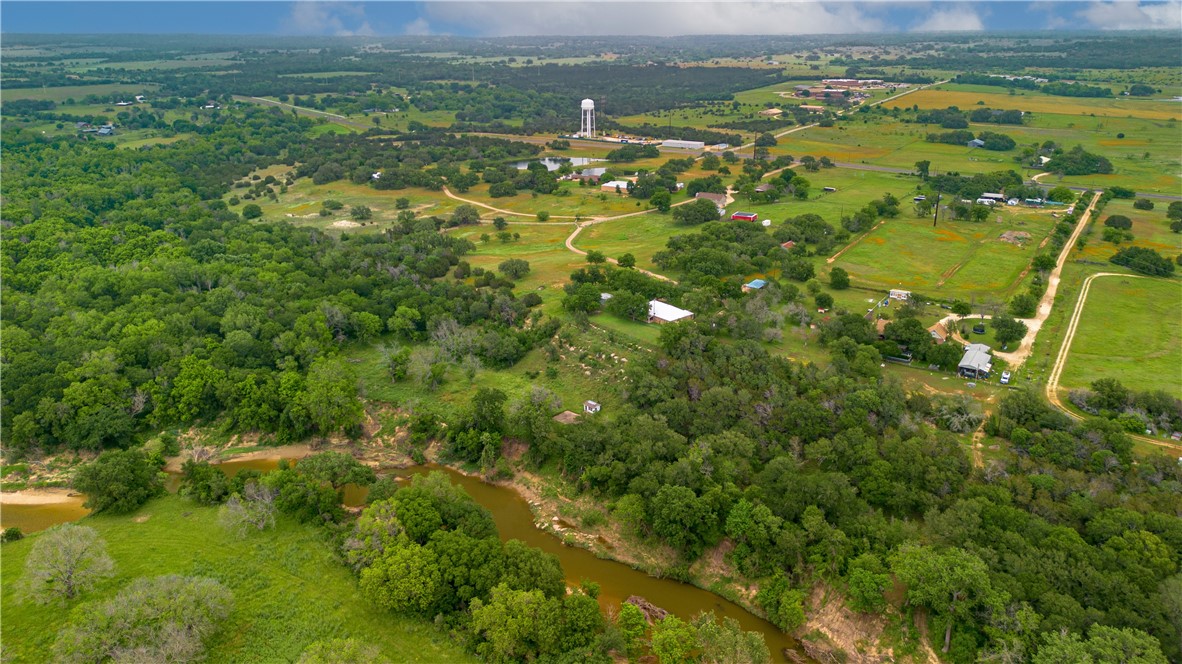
[1037,102]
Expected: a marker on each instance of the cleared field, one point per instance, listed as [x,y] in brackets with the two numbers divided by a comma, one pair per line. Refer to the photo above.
[1150,229]
[145,65]
[585,202]
[327,74]
[645,235]
[550,261]
[957,259]
[76,91]
[303,200]
[945,96]
[286,581]
[1129,331]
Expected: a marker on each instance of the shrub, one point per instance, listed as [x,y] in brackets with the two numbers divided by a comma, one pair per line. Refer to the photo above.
[1143,204]
[1118,221]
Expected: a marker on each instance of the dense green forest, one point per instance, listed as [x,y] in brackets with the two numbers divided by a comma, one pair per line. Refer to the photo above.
[190,313]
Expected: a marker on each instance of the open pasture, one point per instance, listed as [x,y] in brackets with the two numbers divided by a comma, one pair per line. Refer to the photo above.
[327,74]
[955,260]
[1150,229]
[302,202]
[60,94]
[286,581]
[1037,102]
[1129,331]
[584,202]
[886,142]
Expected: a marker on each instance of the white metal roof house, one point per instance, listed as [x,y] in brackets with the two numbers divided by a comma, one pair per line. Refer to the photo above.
[663,312]
[976,362]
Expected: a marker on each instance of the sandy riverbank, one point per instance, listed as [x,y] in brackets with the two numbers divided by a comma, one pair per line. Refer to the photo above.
[173,464]
[51,496]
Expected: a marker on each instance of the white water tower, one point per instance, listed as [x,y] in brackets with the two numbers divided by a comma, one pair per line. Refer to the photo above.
[587,121]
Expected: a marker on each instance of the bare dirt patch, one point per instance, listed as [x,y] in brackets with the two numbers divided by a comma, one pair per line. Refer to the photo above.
[345,223]
[1019,238]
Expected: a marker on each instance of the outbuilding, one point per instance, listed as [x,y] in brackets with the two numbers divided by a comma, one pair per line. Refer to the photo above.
[591,407]
[615,185]
[754,284]
[976,143]
[744,216]
[663,312]
[684,145]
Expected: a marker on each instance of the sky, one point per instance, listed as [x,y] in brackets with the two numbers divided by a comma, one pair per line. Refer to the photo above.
[571,17]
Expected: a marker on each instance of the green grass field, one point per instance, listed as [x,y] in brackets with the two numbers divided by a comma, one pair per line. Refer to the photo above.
[1150,229]
[956,260]
[289,588]
[77,92]
[1129,331]
[966,97]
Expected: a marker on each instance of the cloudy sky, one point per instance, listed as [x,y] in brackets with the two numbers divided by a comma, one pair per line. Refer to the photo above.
[571,17]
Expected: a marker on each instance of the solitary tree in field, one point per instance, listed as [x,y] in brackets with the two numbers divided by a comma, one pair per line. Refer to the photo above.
[66,560]
[253,508]
[839,279]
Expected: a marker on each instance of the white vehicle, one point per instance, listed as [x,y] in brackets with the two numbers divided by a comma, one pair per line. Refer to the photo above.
[1005,378]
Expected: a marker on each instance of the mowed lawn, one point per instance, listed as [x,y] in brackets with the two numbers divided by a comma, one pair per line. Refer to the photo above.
[289,588]
[1129,331]
[956,259]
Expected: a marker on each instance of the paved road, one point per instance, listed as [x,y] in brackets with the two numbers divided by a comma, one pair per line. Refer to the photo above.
[1165,197]
[332,117]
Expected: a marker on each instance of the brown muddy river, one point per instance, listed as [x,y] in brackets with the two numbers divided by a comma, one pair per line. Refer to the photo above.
[514,520]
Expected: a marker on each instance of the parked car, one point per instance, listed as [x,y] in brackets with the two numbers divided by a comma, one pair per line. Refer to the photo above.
[1005,378]
[978,329]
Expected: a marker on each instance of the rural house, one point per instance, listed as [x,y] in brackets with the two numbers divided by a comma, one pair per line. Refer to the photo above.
[976,362]
[754,284]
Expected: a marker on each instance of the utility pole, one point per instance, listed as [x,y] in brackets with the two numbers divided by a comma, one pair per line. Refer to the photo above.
[936,216]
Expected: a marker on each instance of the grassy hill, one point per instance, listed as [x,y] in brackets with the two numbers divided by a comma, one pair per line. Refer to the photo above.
[289,590]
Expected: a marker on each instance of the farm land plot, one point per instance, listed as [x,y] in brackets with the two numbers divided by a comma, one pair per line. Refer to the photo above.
[61,94]
[1129,331]
[966,98]
[886,142]
[955,260]
[1150,229]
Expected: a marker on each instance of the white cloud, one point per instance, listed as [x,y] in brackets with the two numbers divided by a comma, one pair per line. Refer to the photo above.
[653,18]
[419,26]
[1132,15]
[961,18]
[326,18]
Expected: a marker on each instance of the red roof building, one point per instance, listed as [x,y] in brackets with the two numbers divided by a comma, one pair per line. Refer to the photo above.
[744,216]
